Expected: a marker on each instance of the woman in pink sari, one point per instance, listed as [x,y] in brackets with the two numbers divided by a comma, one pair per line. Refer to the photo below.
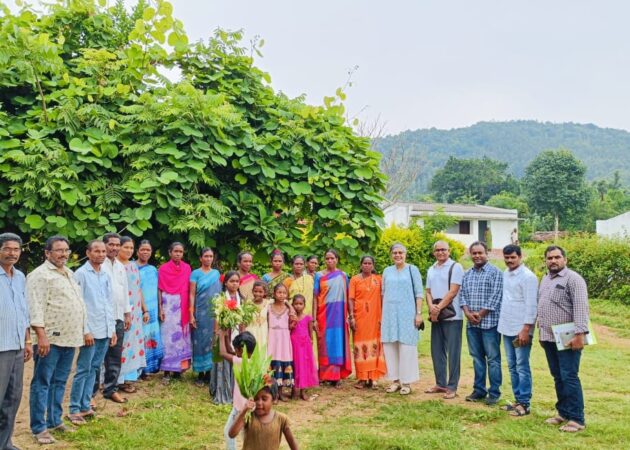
[245,261]
[173,285]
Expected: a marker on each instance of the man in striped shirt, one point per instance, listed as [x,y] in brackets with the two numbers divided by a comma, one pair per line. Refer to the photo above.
[15,337]
[563,298]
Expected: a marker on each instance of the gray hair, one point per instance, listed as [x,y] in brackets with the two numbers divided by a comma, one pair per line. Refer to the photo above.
[441,242]
[6,237]
[398,245]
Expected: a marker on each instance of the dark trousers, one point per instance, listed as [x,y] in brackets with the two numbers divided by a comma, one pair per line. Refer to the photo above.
[113,363]
[446,351]
[11,375]
[564,367]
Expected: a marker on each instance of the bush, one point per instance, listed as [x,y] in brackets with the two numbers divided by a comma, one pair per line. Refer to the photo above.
[604,263]
[419,242]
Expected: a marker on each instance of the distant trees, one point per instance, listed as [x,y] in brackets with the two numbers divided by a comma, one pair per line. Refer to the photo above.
[473,180]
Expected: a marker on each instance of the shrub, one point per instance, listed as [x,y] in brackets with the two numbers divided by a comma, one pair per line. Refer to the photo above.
[604,263]
[419,242]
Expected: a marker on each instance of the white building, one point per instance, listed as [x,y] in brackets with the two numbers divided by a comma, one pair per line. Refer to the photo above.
[474,220]
[618,226]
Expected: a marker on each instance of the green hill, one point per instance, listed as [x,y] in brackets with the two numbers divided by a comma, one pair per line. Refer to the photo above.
[603,150]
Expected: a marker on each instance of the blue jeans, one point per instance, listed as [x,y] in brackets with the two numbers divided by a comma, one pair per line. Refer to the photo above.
[520,373]
[564,367]
[89,361]
[48,386]
[484,347]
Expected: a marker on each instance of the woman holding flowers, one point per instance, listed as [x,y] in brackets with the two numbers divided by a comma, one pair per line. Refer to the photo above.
[331,290]
[205,283]
[173,301]
[245,260]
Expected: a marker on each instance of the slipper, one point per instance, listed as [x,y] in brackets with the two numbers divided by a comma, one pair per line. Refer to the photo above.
[571,427]
[76,419]
[405,389]
[449,395]
[557,420]
[435,390]
[509,407]
[519,410]
[360,385]
[127,388]
[393,388]
[63,428]
[88,414]
[44,438]
[117,398]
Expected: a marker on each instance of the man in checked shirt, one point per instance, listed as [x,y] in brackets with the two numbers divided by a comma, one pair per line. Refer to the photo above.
[563,298]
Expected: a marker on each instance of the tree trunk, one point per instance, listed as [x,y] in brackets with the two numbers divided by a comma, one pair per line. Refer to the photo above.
[556,224]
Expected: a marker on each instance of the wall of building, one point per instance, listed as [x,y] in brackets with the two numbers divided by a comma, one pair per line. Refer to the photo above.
[398,215]
[501,231]
[618,226]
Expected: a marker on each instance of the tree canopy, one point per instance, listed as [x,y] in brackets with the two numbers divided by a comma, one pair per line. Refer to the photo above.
[96,139]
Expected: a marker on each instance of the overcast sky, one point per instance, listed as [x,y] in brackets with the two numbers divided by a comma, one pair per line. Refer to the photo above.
[441,63]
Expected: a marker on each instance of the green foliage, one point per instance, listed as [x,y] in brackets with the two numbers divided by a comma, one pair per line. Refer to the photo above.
[250,374]
[554,185]
[604,263]
[95,139]
[471,180]
[419,243]
[516,143]
[509,200]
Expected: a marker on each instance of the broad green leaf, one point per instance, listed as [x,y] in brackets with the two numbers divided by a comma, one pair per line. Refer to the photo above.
[80,146]
[35,221]
[69,196]
[363,172]
[301,188]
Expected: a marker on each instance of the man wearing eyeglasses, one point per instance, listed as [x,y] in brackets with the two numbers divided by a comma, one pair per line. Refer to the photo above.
[59,320]
[444,279]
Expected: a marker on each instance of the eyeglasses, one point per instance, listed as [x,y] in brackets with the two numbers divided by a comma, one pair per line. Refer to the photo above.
[67,251]
[440,250]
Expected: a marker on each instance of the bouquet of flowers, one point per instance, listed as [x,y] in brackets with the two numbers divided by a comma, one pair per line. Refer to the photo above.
[253,372]
[229,314]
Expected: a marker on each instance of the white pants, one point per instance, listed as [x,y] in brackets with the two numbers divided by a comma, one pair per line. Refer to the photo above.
[230,443]
[402,362]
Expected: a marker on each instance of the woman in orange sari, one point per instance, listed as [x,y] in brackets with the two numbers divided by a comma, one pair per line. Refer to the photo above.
[365,310]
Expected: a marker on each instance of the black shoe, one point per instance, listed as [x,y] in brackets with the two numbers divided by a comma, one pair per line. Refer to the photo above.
[491,401]
[475,397]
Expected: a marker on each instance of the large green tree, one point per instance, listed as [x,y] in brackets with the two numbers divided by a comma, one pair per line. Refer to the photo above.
[95,139]
[554,185]
[472,180]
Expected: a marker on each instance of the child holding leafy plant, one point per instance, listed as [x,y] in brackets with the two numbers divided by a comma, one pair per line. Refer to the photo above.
[279,340]
[265,428]
[242,341]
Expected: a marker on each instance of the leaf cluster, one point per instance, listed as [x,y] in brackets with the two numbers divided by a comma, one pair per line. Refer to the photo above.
[251,373]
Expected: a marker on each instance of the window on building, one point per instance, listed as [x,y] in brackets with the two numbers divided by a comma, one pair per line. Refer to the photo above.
[461,227]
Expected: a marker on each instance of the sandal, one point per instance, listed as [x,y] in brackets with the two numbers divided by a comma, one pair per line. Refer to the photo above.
[44,438]
[63,428]
[557,420]
[127,388]
[117,398]
[435,390]
[509,407]
[393,387]
[571,427]
[519,410]
[88,414]
[76,419]
[405,389]
[360,385]
[449,395]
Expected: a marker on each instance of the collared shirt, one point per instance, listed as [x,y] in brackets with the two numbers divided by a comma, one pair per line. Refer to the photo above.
[120,287]
[97,295]
[13,311]
[519,304]
[482,289]
[562,298]
[437,281]
[55,303]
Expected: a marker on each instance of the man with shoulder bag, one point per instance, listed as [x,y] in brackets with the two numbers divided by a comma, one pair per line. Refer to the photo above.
[444,279]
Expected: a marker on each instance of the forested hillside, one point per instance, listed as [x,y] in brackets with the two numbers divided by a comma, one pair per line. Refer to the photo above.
[603,150]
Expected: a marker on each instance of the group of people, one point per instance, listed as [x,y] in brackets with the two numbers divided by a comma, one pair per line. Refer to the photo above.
[129,319]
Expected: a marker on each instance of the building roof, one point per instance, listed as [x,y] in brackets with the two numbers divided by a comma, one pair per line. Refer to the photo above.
[416,209]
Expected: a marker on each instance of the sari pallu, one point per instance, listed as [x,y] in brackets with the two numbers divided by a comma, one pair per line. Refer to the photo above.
[331,290]
[273,282]
[246,285]
[207,286]
[154,350]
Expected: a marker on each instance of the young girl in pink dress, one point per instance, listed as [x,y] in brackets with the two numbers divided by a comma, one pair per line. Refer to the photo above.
[303,358]
[279,340]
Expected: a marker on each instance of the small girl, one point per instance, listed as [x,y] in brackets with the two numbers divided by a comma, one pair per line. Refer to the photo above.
[259,327]
[265,429]
[303,358]
[279,340]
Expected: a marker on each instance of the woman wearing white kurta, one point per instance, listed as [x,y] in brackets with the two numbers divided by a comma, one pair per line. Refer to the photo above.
[402,307]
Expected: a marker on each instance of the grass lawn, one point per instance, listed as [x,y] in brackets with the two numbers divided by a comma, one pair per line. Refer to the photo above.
[181,415]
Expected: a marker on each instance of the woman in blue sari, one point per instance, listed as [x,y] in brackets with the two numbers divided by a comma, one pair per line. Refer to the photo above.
[154,351]
[205,283]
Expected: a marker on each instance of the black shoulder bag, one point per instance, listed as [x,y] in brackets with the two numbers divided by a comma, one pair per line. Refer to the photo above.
[449,311]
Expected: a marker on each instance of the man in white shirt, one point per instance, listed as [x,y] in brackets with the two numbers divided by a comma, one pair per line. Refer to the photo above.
[516,325]
[444,279]
[122,314]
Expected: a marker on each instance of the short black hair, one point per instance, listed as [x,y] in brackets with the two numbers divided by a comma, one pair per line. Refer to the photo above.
[108,236]
[6,237]
[56,238]
[245,339]
[509,249]
[125,239]
[92,242]
[476,243]
[551,248]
